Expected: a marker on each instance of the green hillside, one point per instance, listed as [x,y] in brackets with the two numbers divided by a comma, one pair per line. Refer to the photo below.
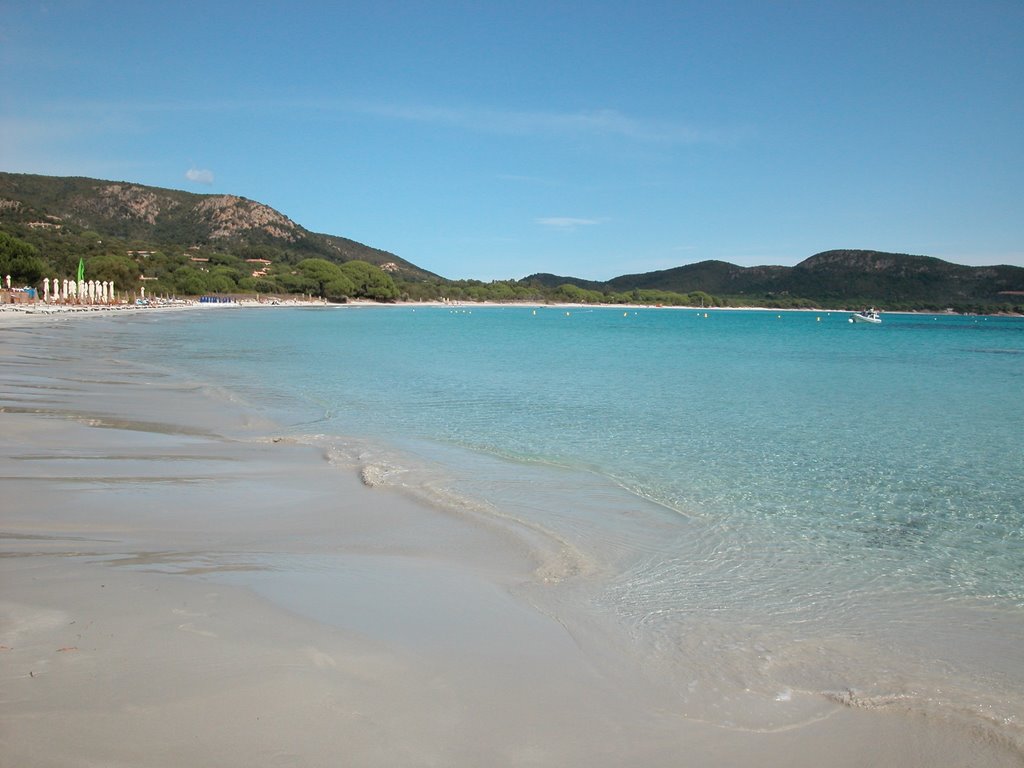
[839,278]
[182,243]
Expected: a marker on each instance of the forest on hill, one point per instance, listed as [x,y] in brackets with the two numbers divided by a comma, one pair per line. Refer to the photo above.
[834,279]
[180,243]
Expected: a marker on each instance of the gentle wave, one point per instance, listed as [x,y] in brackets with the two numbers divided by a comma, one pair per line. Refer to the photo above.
[768,507]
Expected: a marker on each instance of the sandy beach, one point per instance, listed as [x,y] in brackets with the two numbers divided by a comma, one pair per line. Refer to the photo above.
[183,586]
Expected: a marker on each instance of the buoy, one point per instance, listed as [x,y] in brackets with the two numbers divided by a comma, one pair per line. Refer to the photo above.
[819,318]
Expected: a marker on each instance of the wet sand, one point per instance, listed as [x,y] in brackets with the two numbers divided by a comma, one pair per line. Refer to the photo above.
[181,586]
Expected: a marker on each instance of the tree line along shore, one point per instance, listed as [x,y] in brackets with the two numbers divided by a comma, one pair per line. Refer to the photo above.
[181,244]
[135,270]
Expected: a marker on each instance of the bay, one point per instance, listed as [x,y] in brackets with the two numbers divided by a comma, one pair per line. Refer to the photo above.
[765,506]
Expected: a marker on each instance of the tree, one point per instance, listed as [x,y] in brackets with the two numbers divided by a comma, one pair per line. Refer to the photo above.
[339,289]
[20,260]
[265,285]
[326,279]
[700,298]
[221,283]
[121,270]
[225,275]
[370,282]
[190,282]
[576,295]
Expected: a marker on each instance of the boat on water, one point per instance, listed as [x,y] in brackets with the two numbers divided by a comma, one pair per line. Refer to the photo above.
[867,316]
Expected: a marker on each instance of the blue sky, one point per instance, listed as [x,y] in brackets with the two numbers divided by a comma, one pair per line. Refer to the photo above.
[492,140]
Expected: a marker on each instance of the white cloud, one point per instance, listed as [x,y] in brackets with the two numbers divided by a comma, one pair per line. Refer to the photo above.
[480,119]
[566,222]
[607,122]
[199,176]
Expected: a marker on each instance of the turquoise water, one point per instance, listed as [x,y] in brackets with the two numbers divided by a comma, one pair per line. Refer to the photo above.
[818,505]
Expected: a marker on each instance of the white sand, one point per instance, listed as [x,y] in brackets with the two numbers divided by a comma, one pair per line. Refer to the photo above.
[171,596]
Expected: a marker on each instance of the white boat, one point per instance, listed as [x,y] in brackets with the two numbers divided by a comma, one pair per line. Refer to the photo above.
[867,316]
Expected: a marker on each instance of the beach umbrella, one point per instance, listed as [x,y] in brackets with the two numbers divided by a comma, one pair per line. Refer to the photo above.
[81,270]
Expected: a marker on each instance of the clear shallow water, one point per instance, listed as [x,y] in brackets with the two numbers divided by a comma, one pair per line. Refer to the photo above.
[768,502]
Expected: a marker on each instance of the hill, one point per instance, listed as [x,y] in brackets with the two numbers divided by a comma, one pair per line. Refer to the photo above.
[178,242]
[52,212]
[838,278]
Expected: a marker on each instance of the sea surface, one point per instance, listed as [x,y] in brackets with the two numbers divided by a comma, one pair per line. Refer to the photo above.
[774,511]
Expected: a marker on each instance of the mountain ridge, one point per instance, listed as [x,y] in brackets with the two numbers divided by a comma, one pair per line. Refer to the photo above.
[163,216]
[66,218]
[833,275]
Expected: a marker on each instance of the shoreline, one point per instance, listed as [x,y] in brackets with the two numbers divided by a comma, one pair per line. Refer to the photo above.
[181,584]
[42,308]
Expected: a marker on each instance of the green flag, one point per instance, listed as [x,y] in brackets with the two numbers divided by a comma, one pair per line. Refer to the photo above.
[81,270]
